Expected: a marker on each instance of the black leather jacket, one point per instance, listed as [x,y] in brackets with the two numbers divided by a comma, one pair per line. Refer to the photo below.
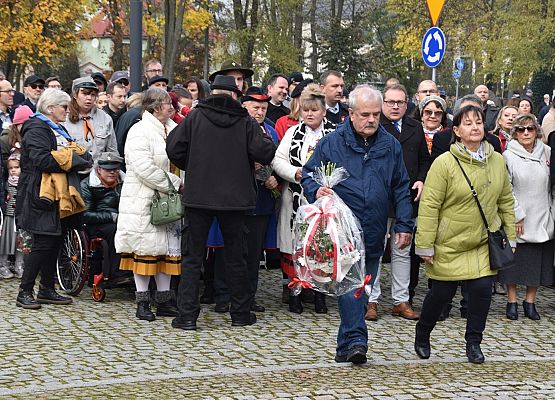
[102,202]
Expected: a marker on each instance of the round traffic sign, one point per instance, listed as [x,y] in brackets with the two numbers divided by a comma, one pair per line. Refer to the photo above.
[459,63]
[433,47]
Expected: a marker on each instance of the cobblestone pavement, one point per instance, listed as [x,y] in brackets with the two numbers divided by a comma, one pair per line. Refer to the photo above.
[100,350]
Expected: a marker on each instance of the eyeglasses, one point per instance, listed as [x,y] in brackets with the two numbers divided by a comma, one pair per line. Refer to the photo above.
[398,103]
[429,91]
[521,129]
[36,86]
[430,113]
[64,106]
[158,71]
[10,92]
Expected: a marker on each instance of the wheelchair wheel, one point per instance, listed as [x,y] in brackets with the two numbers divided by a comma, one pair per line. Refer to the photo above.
[98,293]
[73,262]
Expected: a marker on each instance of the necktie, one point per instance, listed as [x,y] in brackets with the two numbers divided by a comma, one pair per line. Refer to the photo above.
[87,127]
[398,126]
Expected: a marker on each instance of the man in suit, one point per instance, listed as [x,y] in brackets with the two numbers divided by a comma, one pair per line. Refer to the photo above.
[417,162]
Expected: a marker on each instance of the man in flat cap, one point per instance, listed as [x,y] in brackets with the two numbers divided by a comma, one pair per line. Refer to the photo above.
[216,146]
[33,86]
[101,192]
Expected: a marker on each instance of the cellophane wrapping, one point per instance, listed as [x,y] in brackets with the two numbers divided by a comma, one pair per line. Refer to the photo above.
[328,242]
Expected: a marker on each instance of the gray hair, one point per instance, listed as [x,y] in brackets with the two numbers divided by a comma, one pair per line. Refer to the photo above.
[153,99]
[364,92]
[468,98]
[50,98]
[521,119]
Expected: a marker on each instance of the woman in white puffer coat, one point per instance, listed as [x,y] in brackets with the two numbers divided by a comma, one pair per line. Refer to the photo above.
[146,249]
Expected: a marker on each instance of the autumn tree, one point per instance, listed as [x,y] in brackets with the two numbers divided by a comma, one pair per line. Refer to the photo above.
[37,31]
[506,40]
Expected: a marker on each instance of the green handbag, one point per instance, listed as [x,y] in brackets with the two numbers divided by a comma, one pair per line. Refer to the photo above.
[166,208]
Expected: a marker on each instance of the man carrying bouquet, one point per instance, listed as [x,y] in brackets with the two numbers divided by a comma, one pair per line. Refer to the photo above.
[377,176]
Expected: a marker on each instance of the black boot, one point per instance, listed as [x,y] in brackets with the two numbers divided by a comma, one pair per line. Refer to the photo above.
[512,311]
[474,354]
[422,343]
[165,307]
[143,306]
[530,311]
[320,303]
[295,304]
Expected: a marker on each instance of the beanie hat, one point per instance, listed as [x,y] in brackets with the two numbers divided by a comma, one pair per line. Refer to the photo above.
[22,114]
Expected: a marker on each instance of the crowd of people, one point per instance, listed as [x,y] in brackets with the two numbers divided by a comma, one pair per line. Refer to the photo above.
[243,159]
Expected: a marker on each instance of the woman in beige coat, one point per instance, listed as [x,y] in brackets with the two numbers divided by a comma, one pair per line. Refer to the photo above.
[149,250]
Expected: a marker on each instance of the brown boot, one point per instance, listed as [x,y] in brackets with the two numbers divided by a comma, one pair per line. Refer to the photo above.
[371,312]
[405,310]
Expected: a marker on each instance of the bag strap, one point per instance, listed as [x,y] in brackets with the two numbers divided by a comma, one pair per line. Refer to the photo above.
[171,188]
[474,194]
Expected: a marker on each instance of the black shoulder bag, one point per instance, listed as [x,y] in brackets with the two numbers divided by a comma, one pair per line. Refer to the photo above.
[500,251]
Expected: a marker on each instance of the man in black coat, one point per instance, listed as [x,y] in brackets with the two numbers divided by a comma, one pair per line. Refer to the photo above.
[332,85]
[442,140]
[490,111]
[216,146]
[417,161]
[33,86]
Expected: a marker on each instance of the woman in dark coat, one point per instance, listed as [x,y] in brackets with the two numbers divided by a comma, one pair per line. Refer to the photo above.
[42,134]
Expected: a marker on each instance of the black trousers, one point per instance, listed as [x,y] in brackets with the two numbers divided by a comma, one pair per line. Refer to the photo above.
[43,258]
[110,259]
[442,292]
[256,227]
[193,247]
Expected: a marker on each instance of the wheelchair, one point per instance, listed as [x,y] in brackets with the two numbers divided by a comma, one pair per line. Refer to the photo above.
[80,261]
[73,266]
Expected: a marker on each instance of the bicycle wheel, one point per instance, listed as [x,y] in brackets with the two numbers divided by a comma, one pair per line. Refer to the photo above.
[72,267]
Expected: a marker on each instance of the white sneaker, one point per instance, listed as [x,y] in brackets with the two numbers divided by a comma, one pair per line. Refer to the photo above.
[5,272]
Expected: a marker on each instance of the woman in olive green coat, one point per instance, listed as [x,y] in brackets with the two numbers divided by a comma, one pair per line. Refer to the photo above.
[452,237]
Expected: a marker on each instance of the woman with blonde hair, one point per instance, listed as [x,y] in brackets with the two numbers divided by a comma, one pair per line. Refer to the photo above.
[293,152]
[287,121]
[504,124]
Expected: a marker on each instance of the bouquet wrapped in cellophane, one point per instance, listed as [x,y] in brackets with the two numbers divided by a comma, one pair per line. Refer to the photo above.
[328,242]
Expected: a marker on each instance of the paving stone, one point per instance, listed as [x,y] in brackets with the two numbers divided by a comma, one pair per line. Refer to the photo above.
[93,350]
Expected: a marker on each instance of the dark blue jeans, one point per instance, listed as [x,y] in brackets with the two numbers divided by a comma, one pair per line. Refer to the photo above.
[352,329]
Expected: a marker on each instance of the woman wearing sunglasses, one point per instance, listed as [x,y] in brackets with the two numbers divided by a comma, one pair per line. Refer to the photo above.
[433,115]
[42,148]
[527,159]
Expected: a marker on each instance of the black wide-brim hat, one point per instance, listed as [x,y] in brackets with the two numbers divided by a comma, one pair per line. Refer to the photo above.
[228,66]
[255,93]
[224,82]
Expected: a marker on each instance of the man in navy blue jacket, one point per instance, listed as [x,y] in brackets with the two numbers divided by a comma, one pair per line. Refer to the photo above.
[377,178]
